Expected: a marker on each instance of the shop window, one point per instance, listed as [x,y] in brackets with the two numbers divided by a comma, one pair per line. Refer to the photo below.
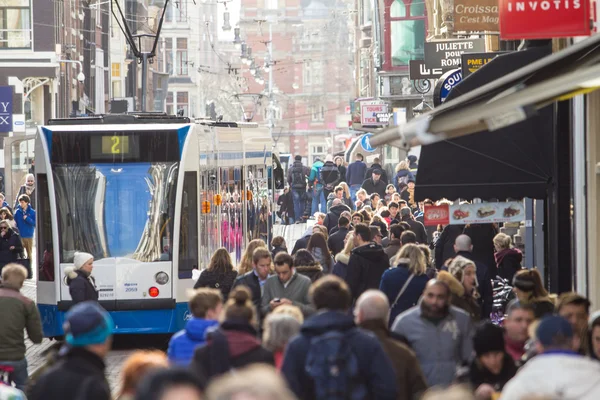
[405,24]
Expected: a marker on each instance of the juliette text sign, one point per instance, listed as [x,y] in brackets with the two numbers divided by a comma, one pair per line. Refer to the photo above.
[447,54]
[476,15]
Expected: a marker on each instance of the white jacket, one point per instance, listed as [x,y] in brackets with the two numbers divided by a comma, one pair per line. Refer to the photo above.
[558,376]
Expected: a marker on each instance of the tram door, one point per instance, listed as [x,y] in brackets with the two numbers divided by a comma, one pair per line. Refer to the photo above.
[210,230]
[232,231]
[259,205]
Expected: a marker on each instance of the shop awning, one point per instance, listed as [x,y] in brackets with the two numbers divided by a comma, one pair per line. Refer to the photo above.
[507,100]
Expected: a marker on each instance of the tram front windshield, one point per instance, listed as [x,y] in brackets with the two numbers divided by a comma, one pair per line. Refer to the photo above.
[115,193]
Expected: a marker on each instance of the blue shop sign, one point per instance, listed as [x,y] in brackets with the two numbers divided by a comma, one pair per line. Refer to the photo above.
[6,112]
[445,84]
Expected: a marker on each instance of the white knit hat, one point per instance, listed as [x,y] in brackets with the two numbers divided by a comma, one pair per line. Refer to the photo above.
[81,258]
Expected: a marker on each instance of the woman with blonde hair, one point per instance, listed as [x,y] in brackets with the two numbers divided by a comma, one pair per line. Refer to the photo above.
[403,175]
[529,289]
[461,278]
[246,262]
[404,284]
[343,257]
[508,259]
[220,273]
[347,197]
[136,367]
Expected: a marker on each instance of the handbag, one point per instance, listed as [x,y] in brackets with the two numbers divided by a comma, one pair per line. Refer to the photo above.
[400,293]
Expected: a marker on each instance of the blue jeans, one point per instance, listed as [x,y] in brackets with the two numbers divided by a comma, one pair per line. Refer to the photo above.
[317,200]
[298,197]
[19,375]
[353,190]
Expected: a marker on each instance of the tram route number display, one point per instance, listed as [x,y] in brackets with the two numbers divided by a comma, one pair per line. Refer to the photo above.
[446,54]
[115,145]
[481,213]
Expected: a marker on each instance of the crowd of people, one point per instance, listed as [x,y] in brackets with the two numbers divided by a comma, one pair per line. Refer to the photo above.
[360,308]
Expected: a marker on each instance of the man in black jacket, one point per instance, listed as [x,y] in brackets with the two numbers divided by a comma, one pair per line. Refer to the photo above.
[80,373]
[336,240]
[377,166]
[333,216]
[415,226]
[329,176]
[367,262]
[255,279]
[296,177]
[375,184]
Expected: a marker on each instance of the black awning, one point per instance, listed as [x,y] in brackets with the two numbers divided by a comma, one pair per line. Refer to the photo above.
[515,161]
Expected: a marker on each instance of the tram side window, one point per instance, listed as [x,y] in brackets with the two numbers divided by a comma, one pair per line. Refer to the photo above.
[44,233]
[188,230]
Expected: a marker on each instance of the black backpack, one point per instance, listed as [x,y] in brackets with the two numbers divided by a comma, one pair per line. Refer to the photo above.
[298,178]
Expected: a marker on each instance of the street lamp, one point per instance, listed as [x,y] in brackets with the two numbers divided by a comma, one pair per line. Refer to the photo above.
[226,24]
[237,40]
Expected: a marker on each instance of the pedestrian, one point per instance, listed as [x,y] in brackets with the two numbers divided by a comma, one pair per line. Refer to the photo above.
[286,287]
[337,208]
[376,165]
[576,309]
[256,382]
[346,196]
[6,214]
[367,262]
[376,235]
[357,218]
[338,193]
[342,259]
[595,335]
[482,239]
[413,164]
[317,246]
[286,207]
[305,264]
[439,334]
[558,372]
[170,384]
[278,330]
[136,367]
[355,175]
[25,218]
[404,283]
[220,273]
[415,226]
[519,317]
[205,305]
[403,175]
[296,178]
[461,278]
[17,313]
[28,189]
[329,176]
[339,163]
[303,241]
[256,279]
[336,240]
[246,264]
[375,184]
[463,247]
[362,199]
[444,245]
[234,344]
[380,222]
[390,189]
[529,289]
[79,374]
[4,204]
[316,187]
[372,314]
[508,259]
[82,285]
[10,244]
[331,358]
[492,367]
[278,245]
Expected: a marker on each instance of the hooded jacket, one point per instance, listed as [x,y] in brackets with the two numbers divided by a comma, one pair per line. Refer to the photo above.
[333,216]
[313,272]
[340,268]
[375,367]
[8,255]
[365,268]
[355,173]
[556,375]
[233,345]
[441,346]
[460,299]
[329,175]
[183,343]
[82,286]
[392,282]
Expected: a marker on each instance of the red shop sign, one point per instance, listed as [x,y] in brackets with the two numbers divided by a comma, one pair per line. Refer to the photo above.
[544,19]
[436,215]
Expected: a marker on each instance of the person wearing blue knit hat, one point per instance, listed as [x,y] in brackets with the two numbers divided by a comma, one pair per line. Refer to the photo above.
[80,373]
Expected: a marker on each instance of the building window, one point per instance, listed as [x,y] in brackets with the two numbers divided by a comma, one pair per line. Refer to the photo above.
[116,89]
[116,70]
[183,103]
[317,151]
[170,103]
[15,24]
[405,24]
[181,57]
[312,73]
[168,56]
[176,11]
[271,4]
[317,113]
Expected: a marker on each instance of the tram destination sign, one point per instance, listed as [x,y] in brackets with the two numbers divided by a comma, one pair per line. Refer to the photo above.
[446,54]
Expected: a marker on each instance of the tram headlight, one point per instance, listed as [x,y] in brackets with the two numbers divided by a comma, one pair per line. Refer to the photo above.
[161,278]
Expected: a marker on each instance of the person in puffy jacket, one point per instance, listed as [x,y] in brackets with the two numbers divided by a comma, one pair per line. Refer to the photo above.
[205,305]
[25,219]
[82,285]
[220,273]
[10,244]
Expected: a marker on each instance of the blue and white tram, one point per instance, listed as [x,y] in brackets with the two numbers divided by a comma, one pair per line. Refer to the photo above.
[132,191]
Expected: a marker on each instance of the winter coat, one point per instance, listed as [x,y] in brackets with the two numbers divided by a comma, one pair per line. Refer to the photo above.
[460,299]
[384,176]
[374,365]
[8,255]
[340,267]
[301,243]
[250,280]
[367,265]
[476,374]
[17,313]
[508,262]
[417,228]
[217,280]
[400,174]
[556,375]
[484,279]
[23,190]
[371,187]
[355,173]
[329,175]
[444,247]
[313,272]
[440,346]
[392,248]
[234,345]
[336,241]
[296,291]
[343,170]
[183,343]
[286,204]
[278,249]
[410,380]
[314,177]
[26,225]
[333,216]
[297,168]
[79,375]
[482,238]
[82,286]
[392,282]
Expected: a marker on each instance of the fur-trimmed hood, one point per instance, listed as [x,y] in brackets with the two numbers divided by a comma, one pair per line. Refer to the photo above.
[309,268]
[342,258]
[456,287]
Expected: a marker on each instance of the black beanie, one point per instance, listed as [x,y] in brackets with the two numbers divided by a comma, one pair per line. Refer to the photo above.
[488,337]
[298,158]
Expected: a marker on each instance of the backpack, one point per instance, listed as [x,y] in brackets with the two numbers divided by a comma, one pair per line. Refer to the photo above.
[403,181]
[333,368]
[298,179]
